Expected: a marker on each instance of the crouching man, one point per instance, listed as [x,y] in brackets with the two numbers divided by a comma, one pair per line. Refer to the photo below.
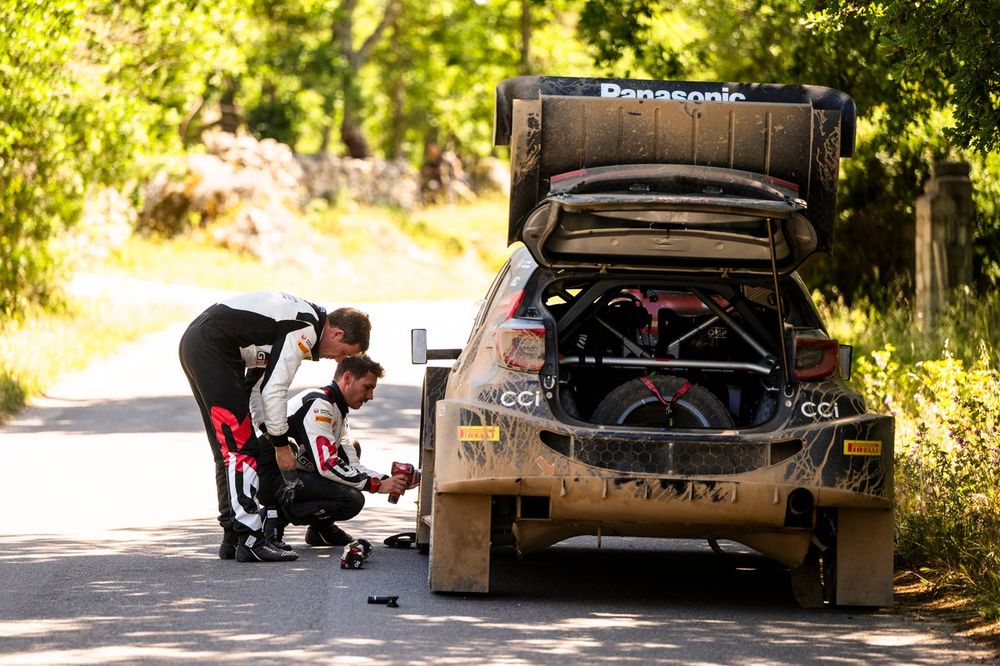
[331,478]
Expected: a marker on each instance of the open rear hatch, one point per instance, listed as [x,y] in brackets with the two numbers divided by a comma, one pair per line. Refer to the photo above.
[688,206]
[664,180]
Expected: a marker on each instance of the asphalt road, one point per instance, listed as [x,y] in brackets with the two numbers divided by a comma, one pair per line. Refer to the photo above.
[108,554]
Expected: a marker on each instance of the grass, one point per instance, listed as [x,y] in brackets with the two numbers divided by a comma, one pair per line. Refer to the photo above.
[353,253]
[967,329]
[37,350]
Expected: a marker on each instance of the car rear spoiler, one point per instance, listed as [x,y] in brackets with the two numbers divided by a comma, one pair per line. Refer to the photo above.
[555,125]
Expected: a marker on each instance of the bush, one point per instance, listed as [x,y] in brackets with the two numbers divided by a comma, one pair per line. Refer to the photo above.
[93,92]
[943,387]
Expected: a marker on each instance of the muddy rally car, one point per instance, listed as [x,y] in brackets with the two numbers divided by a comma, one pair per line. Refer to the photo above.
[648,362]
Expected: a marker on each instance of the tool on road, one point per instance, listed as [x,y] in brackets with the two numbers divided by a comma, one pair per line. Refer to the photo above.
[401,540]
[355,554]
[389,601]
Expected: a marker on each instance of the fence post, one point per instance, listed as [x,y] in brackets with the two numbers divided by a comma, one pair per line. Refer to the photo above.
[943,249]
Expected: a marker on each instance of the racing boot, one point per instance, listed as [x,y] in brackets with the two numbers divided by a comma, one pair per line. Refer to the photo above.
[255,548]
[327,535]
[274,528]
[227,549]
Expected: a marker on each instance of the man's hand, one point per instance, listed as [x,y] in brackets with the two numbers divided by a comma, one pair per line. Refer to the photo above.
[286,493]
[285,458]
[394,484]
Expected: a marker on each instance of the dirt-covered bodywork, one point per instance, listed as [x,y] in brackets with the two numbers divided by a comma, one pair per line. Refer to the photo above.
[649,363]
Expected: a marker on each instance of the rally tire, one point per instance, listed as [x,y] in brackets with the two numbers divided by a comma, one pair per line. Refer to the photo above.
[634,404]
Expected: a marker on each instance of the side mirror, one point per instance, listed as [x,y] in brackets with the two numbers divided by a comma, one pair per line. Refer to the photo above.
[846,360]
[418,346]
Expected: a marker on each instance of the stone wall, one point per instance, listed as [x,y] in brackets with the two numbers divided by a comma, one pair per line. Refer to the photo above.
[262,186]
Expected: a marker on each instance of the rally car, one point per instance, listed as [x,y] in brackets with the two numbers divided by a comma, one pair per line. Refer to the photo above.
[648,362]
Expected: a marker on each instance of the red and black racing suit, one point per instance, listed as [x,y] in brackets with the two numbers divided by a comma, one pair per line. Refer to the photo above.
[240,355]
[329,465]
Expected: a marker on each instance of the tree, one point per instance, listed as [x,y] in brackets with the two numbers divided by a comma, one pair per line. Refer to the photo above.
[356,55]
[947,49]
[94,92]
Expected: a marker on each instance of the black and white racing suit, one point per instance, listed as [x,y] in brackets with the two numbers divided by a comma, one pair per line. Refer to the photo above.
[329,465]
[240,356]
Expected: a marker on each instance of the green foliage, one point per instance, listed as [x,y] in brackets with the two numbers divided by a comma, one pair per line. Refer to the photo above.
[947,467]
[40,184]
[947,51]
[94,93]
[942,384]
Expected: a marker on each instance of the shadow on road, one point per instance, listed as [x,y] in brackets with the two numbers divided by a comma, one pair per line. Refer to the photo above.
[395,407]
[161,595]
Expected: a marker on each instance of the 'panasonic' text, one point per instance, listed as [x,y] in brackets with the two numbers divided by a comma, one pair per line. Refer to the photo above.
[615,90]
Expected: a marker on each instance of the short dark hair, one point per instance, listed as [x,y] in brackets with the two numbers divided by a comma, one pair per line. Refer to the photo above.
[355,324]
[359,366]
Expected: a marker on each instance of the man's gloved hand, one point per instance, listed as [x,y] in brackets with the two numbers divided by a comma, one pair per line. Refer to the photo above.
[286,493]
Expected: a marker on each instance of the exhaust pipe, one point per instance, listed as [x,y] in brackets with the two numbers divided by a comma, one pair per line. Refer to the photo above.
[799,508]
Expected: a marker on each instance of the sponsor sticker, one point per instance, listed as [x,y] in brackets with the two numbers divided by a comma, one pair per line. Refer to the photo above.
[323,419]
[303,348]
[862,447]
[479,433]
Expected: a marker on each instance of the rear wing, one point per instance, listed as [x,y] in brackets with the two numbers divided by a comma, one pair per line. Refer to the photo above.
[793,133]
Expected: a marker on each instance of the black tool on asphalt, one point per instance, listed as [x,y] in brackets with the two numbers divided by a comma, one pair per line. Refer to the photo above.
[389,601]
[401,540]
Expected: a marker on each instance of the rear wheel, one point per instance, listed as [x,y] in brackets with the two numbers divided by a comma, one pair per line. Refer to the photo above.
[634,403]
[435,381]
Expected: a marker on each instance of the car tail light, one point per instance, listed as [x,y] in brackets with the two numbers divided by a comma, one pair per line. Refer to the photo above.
[520,344]
[815,358]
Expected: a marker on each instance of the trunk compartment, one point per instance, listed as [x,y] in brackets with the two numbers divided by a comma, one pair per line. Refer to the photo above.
[669,353]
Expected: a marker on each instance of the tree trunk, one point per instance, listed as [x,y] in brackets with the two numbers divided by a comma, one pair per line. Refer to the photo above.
[398,118]
[525,64]
[231,118]
[351,133]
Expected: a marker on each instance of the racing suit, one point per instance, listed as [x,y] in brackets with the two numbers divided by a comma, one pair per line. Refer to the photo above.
[240,355]
[330,468]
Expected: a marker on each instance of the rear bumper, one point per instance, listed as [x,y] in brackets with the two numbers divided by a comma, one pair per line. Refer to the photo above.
[484,450]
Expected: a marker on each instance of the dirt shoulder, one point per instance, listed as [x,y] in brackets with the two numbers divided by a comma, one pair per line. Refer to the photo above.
[916,596]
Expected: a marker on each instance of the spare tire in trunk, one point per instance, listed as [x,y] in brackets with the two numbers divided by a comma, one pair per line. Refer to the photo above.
[662,401]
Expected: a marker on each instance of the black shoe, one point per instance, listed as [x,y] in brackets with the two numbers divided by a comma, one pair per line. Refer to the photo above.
[255,549]
[227,549]
[328,535]
[274,529]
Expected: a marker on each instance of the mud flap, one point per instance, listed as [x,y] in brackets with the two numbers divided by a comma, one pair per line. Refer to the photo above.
[460,543]
[864,557]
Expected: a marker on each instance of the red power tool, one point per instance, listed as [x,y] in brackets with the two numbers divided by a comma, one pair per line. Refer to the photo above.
[405,469]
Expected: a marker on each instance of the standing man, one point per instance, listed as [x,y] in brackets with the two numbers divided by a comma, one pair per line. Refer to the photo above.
[331,475]
[240,356]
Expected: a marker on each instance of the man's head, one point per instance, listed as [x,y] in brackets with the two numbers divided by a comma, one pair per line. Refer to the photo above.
[357,376]
[346,332]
